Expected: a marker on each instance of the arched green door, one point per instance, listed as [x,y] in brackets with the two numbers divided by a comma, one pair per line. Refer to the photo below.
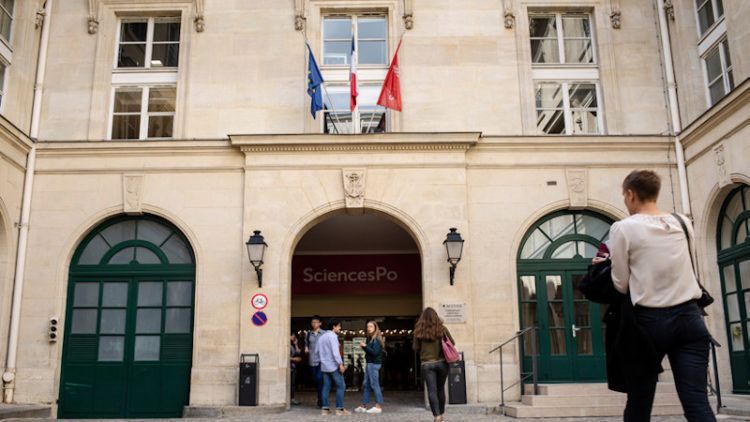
[554,256]
[733,244]
[127,350]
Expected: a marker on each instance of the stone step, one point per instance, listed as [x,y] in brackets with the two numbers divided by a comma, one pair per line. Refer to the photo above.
[587,389]
[520,410]
[22,411]
[607,399]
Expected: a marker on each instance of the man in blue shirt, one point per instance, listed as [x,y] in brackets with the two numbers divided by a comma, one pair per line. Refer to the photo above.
[311,342]
[328,354]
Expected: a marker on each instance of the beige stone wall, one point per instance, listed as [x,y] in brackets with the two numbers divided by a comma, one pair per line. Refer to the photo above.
[492,189]
[246,72]
[689,66]
[19,79]
[711,177]
[14,147]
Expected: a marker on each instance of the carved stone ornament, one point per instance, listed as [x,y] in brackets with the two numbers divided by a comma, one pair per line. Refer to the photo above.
[299,15]
[39,18]
[577,188]
[509,18]
[93,22]
[721,166]
[299,23]
[354,187]
[199,21]
[408,15]
[132,193]
[614,18]
[409,21]
[669,8]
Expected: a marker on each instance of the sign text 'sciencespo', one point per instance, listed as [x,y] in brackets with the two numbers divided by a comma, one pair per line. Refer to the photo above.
[378,274]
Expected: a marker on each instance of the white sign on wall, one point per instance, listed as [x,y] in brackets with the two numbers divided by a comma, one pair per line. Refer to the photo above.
[453,313]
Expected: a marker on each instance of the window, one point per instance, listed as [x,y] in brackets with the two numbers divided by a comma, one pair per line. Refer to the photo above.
[149,43]
[561,38]
[2,82]
[709,12]
[6,18]
[567,107]
[370,35]
[143,112]
[145,78]
[565,74]
[719,79]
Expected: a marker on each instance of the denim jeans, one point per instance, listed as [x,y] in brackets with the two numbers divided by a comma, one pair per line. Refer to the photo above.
[435,374]
[679,333]
[372,383]
[317,375]
[328,379]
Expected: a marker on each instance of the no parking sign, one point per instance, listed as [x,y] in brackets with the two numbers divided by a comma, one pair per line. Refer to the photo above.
[259,318]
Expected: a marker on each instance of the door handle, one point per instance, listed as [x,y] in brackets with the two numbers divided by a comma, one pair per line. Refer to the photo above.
[575,330]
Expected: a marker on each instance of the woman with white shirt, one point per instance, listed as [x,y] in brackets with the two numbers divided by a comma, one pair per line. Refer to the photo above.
[652,262]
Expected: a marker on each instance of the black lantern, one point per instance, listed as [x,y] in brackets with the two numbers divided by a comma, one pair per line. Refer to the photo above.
[256,248]
[454,246]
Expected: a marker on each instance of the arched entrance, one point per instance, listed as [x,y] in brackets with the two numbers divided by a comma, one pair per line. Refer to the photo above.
[128,340]
[553,258]
[733,244]
[355,268]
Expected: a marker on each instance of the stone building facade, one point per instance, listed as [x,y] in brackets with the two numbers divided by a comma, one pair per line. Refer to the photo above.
[520,117]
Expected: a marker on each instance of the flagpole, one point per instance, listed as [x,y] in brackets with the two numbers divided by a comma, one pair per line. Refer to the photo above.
[325,90]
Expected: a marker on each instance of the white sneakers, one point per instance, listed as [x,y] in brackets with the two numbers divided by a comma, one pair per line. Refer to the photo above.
[373,410]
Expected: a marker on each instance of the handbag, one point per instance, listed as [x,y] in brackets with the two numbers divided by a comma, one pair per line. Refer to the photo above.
[706,299]
[449,350]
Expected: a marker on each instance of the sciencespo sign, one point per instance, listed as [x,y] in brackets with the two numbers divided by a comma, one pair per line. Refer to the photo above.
[356,274]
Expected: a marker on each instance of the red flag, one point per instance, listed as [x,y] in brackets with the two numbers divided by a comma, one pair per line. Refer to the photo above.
[390,95]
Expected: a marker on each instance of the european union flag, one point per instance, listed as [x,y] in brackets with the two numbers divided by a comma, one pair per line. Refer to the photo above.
[314,81]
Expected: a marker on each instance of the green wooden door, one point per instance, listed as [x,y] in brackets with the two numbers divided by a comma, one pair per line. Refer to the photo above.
[733,244]
[127,349]
[570,335]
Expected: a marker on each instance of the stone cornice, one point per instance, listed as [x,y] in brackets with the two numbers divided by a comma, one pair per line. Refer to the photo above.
[445,141]
[138,148]
[20,144]
[730,104]
[568,143]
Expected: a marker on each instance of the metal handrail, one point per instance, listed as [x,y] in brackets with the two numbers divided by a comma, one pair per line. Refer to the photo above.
[716,391]
[524,376]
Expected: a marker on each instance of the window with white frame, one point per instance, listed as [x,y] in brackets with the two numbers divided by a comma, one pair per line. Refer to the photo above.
[709,12]
[143,112]
[565,74]
[144,78]
[149,43]
[370,35]
[6,19]
[719,78]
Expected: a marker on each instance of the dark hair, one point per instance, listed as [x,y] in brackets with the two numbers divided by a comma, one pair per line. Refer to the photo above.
[332,323]
[644,183]
[429,326]
[316,317]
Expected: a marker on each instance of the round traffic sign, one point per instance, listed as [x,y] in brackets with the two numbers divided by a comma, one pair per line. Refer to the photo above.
[259,318]
[259,301]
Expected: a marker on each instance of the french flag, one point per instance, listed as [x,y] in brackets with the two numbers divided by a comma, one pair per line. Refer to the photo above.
[353,92]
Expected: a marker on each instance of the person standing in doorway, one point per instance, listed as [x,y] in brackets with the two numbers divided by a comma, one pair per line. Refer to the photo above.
[428,336]
[311,342]
[374,359]
[294,359]
[652,262]
[332,366]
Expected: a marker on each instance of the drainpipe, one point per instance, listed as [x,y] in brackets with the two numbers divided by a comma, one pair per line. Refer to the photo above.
[23,233]
[674,111]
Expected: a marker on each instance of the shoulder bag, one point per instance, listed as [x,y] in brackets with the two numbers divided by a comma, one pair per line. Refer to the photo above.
[706,299]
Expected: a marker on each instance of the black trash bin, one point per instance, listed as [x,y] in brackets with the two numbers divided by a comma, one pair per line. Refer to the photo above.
[457,382]
[249,379]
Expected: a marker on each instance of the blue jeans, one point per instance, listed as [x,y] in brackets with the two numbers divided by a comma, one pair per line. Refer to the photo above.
[318,377]
[328,379]
[372,383]
[679,333]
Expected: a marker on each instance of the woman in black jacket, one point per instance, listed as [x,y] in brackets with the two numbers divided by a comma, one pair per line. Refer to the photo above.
[374,359]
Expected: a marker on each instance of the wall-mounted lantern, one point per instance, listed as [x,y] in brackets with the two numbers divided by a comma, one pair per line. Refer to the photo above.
[256,248]
[454,246]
